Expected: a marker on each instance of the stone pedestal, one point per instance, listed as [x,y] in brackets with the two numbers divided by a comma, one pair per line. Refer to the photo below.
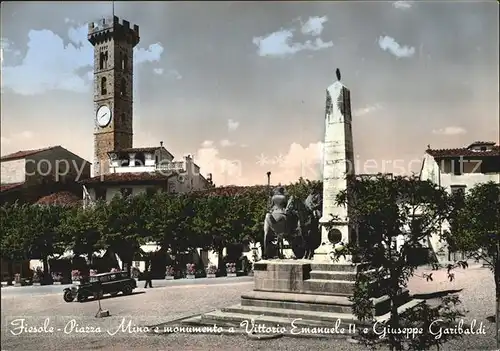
[307,293]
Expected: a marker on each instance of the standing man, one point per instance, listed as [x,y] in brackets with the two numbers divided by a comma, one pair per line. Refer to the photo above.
[147,275]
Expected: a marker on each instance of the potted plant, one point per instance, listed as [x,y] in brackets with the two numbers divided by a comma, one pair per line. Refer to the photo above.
[169,273]
[211,271]
[76,276]
[250,268]
[17,279]
[190,270]
[57,278]
[37,276]
[231,269]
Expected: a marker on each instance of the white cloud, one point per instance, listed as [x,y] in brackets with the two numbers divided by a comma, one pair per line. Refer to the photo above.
[224,171]
[298,162]
[281,44]
[49,64]
[452,130]
[232,125]
[158,71]
[16,139]
[5,140]
[207,143]
[402,5]
[226,143]
[26,134]
[366,110]
[387,43]
[174,74]
[314,25]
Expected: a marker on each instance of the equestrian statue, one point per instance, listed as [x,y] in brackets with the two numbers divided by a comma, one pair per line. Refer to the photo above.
[294,220]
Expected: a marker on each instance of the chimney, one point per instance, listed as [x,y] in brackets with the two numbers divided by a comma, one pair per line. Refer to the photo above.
[161,143]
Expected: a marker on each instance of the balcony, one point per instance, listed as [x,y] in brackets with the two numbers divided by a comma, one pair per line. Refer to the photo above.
[175,166]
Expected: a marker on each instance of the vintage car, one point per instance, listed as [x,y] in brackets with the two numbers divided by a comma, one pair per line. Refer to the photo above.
[100,284]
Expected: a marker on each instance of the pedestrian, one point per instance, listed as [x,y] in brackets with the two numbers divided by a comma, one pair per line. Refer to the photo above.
[147,275]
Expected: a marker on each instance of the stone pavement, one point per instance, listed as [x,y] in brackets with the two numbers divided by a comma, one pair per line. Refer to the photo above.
[160,305]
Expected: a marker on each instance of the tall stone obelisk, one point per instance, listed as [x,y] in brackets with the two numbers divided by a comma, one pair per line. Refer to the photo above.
[338,169]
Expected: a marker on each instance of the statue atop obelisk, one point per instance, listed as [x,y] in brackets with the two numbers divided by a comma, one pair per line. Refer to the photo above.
[338,169]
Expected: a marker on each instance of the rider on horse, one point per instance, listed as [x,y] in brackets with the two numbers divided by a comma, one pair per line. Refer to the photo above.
[275,222]
[313,202]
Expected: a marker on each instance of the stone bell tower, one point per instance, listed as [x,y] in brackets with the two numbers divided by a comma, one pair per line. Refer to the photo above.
[113,42]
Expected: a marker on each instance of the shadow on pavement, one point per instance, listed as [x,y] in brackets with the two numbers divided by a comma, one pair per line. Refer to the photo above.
[436,294]
[112,297]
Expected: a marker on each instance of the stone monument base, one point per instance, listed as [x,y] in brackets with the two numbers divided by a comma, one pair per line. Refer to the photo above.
[308,293]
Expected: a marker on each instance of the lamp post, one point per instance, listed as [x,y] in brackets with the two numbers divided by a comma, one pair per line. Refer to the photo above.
[269,187]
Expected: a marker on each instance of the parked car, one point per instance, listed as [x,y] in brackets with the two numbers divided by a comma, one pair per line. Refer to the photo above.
[100,284]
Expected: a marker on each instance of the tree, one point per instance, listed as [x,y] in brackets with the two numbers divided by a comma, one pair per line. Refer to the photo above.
[384,209]
[218,221]
[169,221]
[41,223]
[13,242]
[123,226]
[80,227]
[475,229]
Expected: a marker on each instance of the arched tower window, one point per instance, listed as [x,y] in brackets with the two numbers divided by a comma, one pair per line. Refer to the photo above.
[123,87]
[124,62]
[104,91]
[122,118]
[103,59]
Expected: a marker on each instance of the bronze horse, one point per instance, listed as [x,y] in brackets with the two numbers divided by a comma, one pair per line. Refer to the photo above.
[298,225]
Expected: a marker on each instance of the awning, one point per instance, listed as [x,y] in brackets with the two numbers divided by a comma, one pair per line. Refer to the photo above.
[150,248]
[100,253]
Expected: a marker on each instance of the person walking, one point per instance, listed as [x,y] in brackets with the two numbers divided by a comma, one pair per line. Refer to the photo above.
[147,275]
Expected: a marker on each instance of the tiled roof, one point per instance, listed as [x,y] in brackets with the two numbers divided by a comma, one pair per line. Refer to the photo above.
[5,187]
[60,198]
[129,177]
[482,143]
[24,153]
[140,149]
[457,152]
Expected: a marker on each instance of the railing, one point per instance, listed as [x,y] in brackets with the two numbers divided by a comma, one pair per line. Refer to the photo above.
[172,166]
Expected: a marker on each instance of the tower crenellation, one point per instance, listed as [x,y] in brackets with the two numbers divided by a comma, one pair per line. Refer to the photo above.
[114,43]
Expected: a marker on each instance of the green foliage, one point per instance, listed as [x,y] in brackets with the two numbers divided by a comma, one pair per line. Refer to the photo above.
[475,224]
[14,243]
[381,210]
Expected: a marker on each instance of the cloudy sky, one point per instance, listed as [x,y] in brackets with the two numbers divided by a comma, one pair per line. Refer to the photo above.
[241,86]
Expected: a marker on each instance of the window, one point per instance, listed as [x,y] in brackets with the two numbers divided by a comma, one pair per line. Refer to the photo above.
[103,59]
[125,162]
[137,264]
[123,87]
[483,148]
[156,160]
[124,62]
[457,167]
[140,159]
[126,192]
[104,91]
[122,118]
[490,165]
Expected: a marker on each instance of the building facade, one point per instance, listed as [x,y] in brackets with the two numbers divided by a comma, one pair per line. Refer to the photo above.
[460,169]
[28,175]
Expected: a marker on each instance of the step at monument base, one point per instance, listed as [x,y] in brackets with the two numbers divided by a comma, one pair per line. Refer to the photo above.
[309,294]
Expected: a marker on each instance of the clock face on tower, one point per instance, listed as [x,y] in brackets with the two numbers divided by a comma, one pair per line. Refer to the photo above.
[103,116]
